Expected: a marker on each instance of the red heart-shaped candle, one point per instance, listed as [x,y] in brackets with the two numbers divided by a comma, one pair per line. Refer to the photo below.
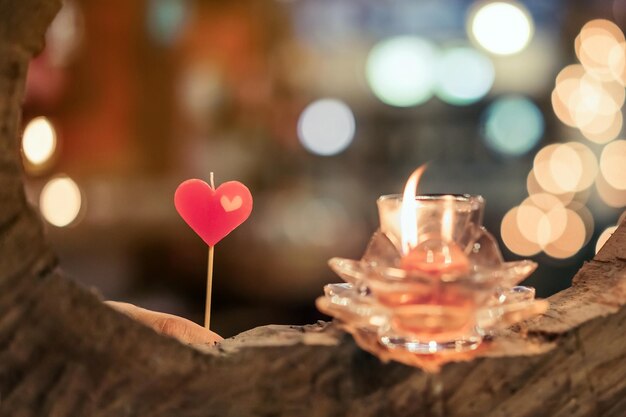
[213,214]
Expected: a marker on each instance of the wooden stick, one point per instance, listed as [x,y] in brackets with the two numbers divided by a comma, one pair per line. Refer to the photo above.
[209,276]
[209,284]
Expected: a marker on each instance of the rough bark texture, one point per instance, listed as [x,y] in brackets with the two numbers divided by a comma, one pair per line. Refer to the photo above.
[63,353]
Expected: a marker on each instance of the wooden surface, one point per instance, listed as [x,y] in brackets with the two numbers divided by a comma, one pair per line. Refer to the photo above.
[64,353]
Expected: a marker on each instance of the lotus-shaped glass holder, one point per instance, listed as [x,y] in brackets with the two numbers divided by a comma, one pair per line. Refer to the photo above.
[444,293]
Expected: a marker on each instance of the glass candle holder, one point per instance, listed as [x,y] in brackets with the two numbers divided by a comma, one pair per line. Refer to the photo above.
[440,291]
[453,217]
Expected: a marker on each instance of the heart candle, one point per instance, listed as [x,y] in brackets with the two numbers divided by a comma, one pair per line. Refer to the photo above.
[212,213]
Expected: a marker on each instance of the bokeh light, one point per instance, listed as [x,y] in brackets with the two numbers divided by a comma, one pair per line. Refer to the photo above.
[533,187]
[464,76]
[565,168]
[611,196]
[613,164]
[593,96]
[532,224]
[543,222]
[603,128]
[604,237]
[39,141]
[586,216]
[566,85]
[326,127]
[401,70]
[594,45]
[571,240]
[503,28]
[513,125]
[595,108]
[513,237]
[541,218]
[166,19]
[60,201]
[580,100]
[617,62]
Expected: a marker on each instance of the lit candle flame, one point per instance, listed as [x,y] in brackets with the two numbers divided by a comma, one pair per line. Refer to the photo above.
[408,211]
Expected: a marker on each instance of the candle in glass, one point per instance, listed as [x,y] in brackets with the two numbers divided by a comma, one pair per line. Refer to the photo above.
[429,230]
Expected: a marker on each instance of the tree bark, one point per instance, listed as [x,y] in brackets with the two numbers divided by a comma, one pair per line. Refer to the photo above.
[64,353]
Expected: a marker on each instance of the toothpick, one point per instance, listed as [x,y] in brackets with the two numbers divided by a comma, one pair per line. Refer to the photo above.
[209,277]
[207,309]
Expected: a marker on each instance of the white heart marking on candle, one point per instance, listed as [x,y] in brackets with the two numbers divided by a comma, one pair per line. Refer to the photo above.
[230,205]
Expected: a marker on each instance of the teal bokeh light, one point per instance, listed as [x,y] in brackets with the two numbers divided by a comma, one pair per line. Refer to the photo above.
[401,70]
[166,19]
[513,125]
[465,75]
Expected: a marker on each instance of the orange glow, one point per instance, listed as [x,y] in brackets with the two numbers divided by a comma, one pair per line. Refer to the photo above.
[572,239]
[585,215]
[589,165]
[565,168]
[610,195]
[531,224]
[544,201]
[408,211]
[603,128]
[594,105]
[617,62]
[533,187]
[580,99]
[513,238]
[602,27]
[614,95]
[561,110]
[556,222]
[596,97]
[613,164]
[542,171]
[541,222]
[594,45]
[570,72]
[541,218]
[566,88]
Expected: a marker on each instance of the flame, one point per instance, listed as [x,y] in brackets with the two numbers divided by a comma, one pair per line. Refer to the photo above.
[408,211]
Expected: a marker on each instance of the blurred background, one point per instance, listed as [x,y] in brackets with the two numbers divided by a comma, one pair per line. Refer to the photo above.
[319,107]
